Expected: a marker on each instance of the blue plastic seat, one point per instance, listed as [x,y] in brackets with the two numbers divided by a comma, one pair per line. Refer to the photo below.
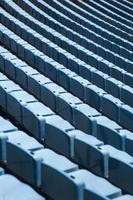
[127,95]
[114,87]
[128,141]
[34,116]
[50,93]
[16,100]
[78,86]
[6,126]
[64,76]
[87,153]
[19,154]
[128,78]
[84,117]
[5,88]
[65,105]
[99,79]
[110,106]
[3,77]
[120,168]
[92,181]
[35,84]
[11,187]
[56,167]
[126,117]
[22,74]
[109,132]
[93,96]
[59,135]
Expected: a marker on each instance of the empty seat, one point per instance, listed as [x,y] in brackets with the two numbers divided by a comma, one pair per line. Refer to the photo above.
[10,66]
[99,79]
[87,153]
[91,181]
[128,78]
[86,71]
[55,168]
[120,168]
[16,100]
[109,132]
[11,187]
[126,117]
[3,77]
[6,126]
[18,153]
[35,84]
[6,87]
[113,87]
[4,55]
[84,117]
[34,116]
[128,141]
[78,85]
[65,105]
[93,96]
[127,95]
[59,135]
[22,75]
[64,76]
[50,93]
[117,73]
[110,107]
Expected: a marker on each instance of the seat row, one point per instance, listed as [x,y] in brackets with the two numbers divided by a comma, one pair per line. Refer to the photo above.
[88,8]
[73,29]
[69,14]
[113,8]
[65,104]
[72,47]
[120,87]
[116,93]
[111,15]
[120,16]
[18,113]
[121,110]
[123,7]
[91,47]
[11,188]
[46,126]
[127,3]
[62,137]
[41,165]
[97,20]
